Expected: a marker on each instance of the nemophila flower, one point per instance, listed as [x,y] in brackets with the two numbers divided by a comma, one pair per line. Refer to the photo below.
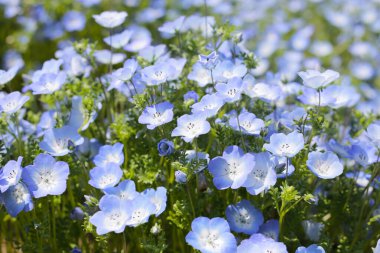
[324,165]
[373,133]
[363,152]
[118,40]
[226,70]
[47,121]
[139,210]
[157,74]
[56,140]
[315,79]
[110,19]
[80,117]
[285,145]
[10,174]
[312,229]
[263,175]
[180,177]
[165,147]
[141,38]
[271,229]
[311,96]
[125,190]
[362,70]
[311,249]
[172,27]
[209,61]
[200,74]
[7,76]
[110,154]
[73,21]
[48,83]
[194,156]
[176,65]
[77,214]
[244,217]
[289,119]
[191,95]
[105,177]
[89,3]
[211,236]
[209,105]
[153,53]
[261,244]
[112,216]
[247,123]
[230,91]
[158,198]
[107,57]
[266,92]
[17,198]
[301,39]
[231,169]
[157,115]
[341,96]
[74,64]
[191,126]
[12,102]
[128,70]
[361,178]
[282,169]
[46,176]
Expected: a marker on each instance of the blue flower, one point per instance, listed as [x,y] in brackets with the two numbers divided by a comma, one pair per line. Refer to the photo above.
[48,83]
[126,190]
[7,76]
[56,140]
[46,176]
[311,97]
[191,126]
[12,102]
[211,235]
[110,154]
[105,177]
[324,165]
[271,228]
[191,95]
[158,198]
[80,117]
[226,70]
[165,147]
[153,53]
[230,91]
[157,115]
[263,176]
[74,21]
[127,71]
[172,27]
[261,243]
[110,19]
[315,79]
[209,105]
[209,61]
[200,74]
[373,133]
[139,210]
[285,145]
[180,177]
[341,96]
[311,249]
[118,40]
[107,57]
[312,229]
[247,123]
[10,174]
[77,214]
[112,216]
[16,199]
[267,92]
[231,169]
[244,217]
[281,169]
[363,152]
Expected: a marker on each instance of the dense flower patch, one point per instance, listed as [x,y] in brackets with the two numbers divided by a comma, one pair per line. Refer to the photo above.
[190,126]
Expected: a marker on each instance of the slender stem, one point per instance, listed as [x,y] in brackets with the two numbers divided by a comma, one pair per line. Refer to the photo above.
[190,199]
